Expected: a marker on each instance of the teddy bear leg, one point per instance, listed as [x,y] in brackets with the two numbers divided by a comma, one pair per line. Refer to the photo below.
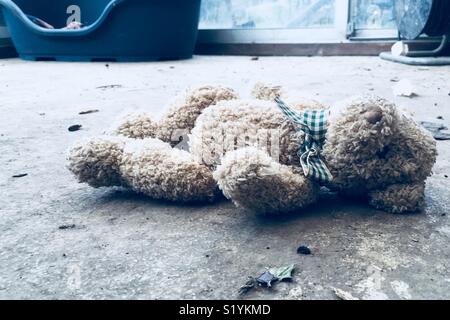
[253,180]
[399,198]
[96,161]
[179,121]
[154,168]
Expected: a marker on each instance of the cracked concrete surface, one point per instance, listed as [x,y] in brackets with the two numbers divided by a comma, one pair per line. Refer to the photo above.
[120,245]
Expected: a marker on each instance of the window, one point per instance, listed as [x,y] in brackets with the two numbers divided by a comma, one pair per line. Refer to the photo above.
[373,19]
[295,21]
[273,21]
[267,14]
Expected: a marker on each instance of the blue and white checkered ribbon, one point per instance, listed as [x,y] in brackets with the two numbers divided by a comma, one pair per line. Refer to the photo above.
[314,123]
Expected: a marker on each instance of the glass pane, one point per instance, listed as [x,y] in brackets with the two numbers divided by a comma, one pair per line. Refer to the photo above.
[266,14]
[374,14]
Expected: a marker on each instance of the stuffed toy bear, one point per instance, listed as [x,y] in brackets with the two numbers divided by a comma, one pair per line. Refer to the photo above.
[266,154]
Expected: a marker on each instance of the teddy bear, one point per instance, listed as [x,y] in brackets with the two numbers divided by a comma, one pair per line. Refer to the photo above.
[268,154]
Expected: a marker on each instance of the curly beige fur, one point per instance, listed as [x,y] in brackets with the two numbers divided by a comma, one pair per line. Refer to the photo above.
[148,166]
[267,92]
[179,120]
[399,198]
[365,155]
[263,91]
[97,161]
[235,124]
[253,180]
[153,168]
[182,116]
[137,126]
[371,149]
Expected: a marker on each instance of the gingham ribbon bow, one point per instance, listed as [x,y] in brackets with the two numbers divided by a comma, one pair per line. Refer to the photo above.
[314,123]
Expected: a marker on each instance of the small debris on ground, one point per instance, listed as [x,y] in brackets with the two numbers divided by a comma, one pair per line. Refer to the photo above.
[441,136]
[75,127]
[404,88]
[436,129]
[89,111]
[255,58]
[440,118]
[341,294]
[110,86]
[266,279]
[304,250]
[21,175]
[107,65]
[399,48]
[67,226]
[248,286]
[433,126]
[395,79]
[283,273]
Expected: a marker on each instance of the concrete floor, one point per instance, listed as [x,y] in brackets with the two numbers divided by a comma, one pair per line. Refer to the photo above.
[127,246]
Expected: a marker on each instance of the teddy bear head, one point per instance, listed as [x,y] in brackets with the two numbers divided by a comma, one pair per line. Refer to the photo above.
[370,145]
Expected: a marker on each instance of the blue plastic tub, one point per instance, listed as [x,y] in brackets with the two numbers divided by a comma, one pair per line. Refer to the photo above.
[114,30]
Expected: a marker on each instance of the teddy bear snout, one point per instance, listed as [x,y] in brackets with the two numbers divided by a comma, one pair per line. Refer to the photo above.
[373,115]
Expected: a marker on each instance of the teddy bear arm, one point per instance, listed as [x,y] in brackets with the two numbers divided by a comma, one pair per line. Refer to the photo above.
[253,180]
[96,161]
[399,198]
[179,121]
